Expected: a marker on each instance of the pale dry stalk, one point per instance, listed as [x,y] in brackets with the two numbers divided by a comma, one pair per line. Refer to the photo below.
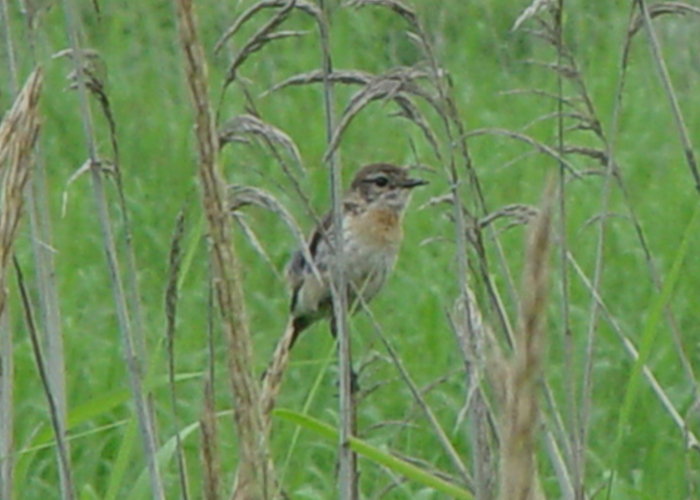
[272,382]
[518,470]
[475,339]
[18,132]
[255,476]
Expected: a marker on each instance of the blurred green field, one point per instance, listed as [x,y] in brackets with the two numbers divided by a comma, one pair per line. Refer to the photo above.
[138,44]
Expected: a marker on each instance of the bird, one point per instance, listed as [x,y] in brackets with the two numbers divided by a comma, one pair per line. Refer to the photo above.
[372,212]
[372,231]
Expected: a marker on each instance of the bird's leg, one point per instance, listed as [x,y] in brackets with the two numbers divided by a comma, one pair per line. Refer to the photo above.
[286,343]
[354,379]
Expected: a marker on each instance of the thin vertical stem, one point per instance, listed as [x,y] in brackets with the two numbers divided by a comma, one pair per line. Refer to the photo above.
[171,301]
[67,488]
[587,387]
[569,350]
[347,474]
[42,246]
[6,409]
[6,341]
[671,94]
[145,418]
[9,48]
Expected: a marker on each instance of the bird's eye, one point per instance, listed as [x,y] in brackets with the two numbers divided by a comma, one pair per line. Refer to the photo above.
[381,181]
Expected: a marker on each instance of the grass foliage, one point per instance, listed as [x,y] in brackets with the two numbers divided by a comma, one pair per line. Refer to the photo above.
[118,346]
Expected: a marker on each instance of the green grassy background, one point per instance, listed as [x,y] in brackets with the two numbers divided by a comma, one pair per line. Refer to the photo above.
[138,43]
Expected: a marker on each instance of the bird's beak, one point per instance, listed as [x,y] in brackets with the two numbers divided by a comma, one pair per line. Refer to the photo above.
[411,183]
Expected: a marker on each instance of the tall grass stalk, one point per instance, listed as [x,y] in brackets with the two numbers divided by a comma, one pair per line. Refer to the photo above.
[255,479]
[18,133]
[124,309]
[519,424]
[660,63]
[347,473]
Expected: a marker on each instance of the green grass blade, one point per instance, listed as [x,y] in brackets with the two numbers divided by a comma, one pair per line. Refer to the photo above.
[164,455]
[376,455]
[96,407]
[307,404]
[121,464]
[649,336]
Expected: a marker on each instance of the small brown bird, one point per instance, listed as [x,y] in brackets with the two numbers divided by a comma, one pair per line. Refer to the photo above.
[372,231]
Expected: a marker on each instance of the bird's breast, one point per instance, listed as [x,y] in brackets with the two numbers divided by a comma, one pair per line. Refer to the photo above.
[379,229]
[372,241]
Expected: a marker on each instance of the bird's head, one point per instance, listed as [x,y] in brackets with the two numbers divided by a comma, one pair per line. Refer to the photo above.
[382,185]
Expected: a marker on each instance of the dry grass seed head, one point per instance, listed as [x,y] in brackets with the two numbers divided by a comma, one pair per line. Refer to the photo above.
[18,132]
[402,10]
[532,11]
[371,92]
[398,83]
[265,34]
[348,77]
[236,129]
[241,196]
[660,9]
[540,146]
[303,5]
[518,471]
